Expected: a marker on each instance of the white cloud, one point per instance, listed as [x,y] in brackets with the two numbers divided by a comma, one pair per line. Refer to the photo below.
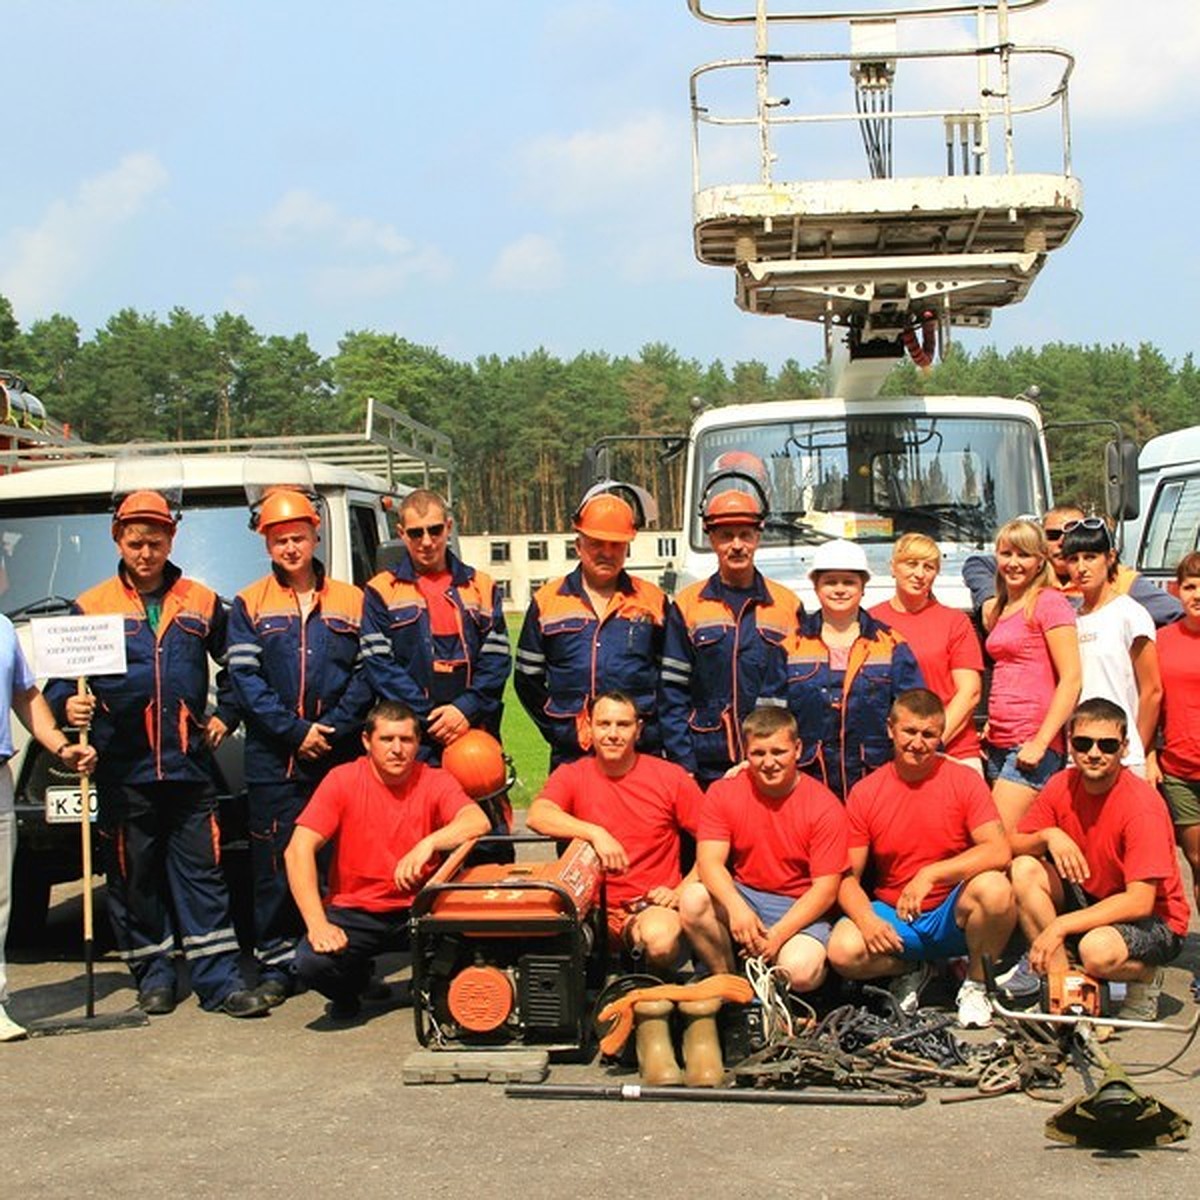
[533,263]
[39,265]
[303,216]
[344,281]
[1132,60]
[597,168]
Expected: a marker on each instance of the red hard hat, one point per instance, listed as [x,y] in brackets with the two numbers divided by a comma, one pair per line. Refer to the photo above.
[607,518]
[147,507]
[732,507]
[476,760]
[286,504]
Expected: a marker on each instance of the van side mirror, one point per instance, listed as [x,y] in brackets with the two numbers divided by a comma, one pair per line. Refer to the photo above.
[1121,497]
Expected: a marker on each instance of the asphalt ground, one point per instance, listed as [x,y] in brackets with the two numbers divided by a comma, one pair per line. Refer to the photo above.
[199,1104]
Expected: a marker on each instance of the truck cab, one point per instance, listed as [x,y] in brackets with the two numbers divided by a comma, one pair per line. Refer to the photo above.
[1169,489]
[951,467]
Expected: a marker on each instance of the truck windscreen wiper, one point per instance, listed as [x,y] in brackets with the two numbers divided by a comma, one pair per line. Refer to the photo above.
[793,523]
[35,608]
[963,522]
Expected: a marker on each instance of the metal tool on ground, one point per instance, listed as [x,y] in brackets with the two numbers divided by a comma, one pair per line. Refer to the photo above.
[637,1091]
[87,646]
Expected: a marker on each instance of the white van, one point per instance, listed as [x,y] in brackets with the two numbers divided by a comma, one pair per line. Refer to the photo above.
[1169,490]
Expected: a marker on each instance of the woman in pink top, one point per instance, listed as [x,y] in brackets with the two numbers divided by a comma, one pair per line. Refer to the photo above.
[1179,758]
[1035,676]
[942,639]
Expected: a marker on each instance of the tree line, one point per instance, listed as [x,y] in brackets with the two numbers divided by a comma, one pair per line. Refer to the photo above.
[520,425]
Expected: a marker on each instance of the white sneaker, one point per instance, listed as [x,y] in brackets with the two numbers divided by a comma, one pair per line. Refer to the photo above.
[906,989]
[10,1031]
[1141,999]
[974,1006]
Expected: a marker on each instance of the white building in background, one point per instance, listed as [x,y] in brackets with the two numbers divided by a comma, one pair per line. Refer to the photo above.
[521,562]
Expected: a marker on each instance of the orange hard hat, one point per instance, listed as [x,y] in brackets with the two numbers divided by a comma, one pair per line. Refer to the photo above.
[607,518]
[145,506]
[476,760]
[286,504]
[732,507]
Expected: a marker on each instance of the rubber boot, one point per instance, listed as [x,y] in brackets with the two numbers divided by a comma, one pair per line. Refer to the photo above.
[702,1063]
[657,1064]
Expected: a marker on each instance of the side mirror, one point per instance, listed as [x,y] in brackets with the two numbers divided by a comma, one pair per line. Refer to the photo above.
[1121,479]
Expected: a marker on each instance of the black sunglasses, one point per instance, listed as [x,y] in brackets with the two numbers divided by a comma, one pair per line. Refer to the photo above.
[434,531]
[1083,745]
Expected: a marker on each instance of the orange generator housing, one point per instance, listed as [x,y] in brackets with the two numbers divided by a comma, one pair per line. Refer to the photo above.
[506,952]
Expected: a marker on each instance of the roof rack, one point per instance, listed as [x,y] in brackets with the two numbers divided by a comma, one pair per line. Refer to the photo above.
[392,445]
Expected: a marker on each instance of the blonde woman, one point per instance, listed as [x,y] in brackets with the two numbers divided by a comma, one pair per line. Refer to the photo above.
[1034,648]
[943,640]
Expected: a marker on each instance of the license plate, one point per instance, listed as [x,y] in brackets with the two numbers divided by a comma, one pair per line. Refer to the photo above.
[65,804]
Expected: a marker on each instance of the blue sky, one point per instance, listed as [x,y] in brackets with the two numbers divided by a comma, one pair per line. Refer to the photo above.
[489,177]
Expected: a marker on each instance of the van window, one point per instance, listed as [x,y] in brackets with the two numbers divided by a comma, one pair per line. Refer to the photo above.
[1173,526]
[364,541]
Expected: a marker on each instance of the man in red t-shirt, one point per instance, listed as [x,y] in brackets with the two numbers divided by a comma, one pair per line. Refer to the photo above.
[631,808]
[929,828]
[389,818]
[1094,860]
[771,850]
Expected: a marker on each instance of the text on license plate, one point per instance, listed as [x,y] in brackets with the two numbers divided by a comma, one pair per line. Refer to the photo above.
[65,804]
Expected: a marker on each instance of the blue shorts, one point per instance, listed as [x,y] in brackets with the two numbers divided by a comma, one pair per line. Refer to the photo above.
[934,934]
[1002,764]
[769,907]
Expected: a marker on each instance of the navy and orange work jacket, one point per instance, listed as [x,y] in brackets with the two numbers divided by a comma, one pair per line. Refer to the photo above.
[843,714]
[468,669]
[723,656]
[567,654]
[149,723]
[289,672]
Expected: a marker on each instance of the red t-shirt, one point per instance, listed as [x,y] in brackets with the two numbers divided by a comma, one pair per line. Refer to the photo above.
[443,616]
[907,826]
[943,640]
[373,826]
[1125,835]
[643,809]
[1179,664]
[778,846]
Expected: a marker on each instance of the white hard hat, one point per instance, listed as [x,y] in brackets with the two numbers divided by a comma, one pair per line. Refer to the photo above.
[840,555]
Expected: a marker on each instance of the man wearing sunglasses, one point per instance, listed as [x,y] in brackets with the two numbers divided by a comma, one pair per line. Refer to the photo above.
[979,571]
[433,631]
[1094,868]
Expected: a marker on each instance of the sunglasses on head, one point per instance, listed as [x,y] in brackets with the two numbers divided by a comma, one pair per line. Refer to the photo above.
[1083,745]
[434,531]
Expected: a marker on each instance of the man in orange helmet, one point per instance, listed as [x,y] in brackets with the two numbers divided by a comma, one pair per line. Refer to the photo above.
[723,654]
[433,632]
[154,778]
[595,629]
[297,675]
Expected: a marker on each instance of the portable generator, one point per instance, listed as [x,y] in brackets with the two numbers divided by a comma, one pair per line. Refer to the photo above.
[1074,993]
[505,953]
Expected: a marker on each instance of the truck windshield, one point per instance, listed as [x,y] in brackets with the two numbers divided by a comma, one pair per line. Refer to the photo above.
[50,551]
[872,478]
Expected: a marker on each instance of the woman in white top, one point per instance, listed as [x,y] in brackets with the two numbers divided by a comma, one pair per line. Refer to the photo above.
[1116,637]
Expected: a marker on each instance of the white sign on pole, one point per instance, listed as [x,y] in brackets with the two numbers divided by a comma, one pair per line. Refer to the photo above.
[71,647]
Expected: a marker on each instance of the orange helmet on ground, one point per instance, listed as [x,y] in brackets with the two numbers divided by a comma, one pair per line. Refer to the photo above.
[285,504]
[732,507]
[145,507]
[607,518]
[476,760]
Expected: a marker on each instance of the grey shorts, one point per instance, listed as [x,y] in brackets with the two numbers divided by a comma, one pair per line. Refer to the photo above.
[1151,941]
[1183,799]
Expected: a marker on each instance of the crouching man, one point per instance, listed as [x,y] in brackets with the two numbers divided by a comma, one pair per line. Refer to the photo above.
[771,851]
[931,833]
[631,807]
[390,818]
[1095,870]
